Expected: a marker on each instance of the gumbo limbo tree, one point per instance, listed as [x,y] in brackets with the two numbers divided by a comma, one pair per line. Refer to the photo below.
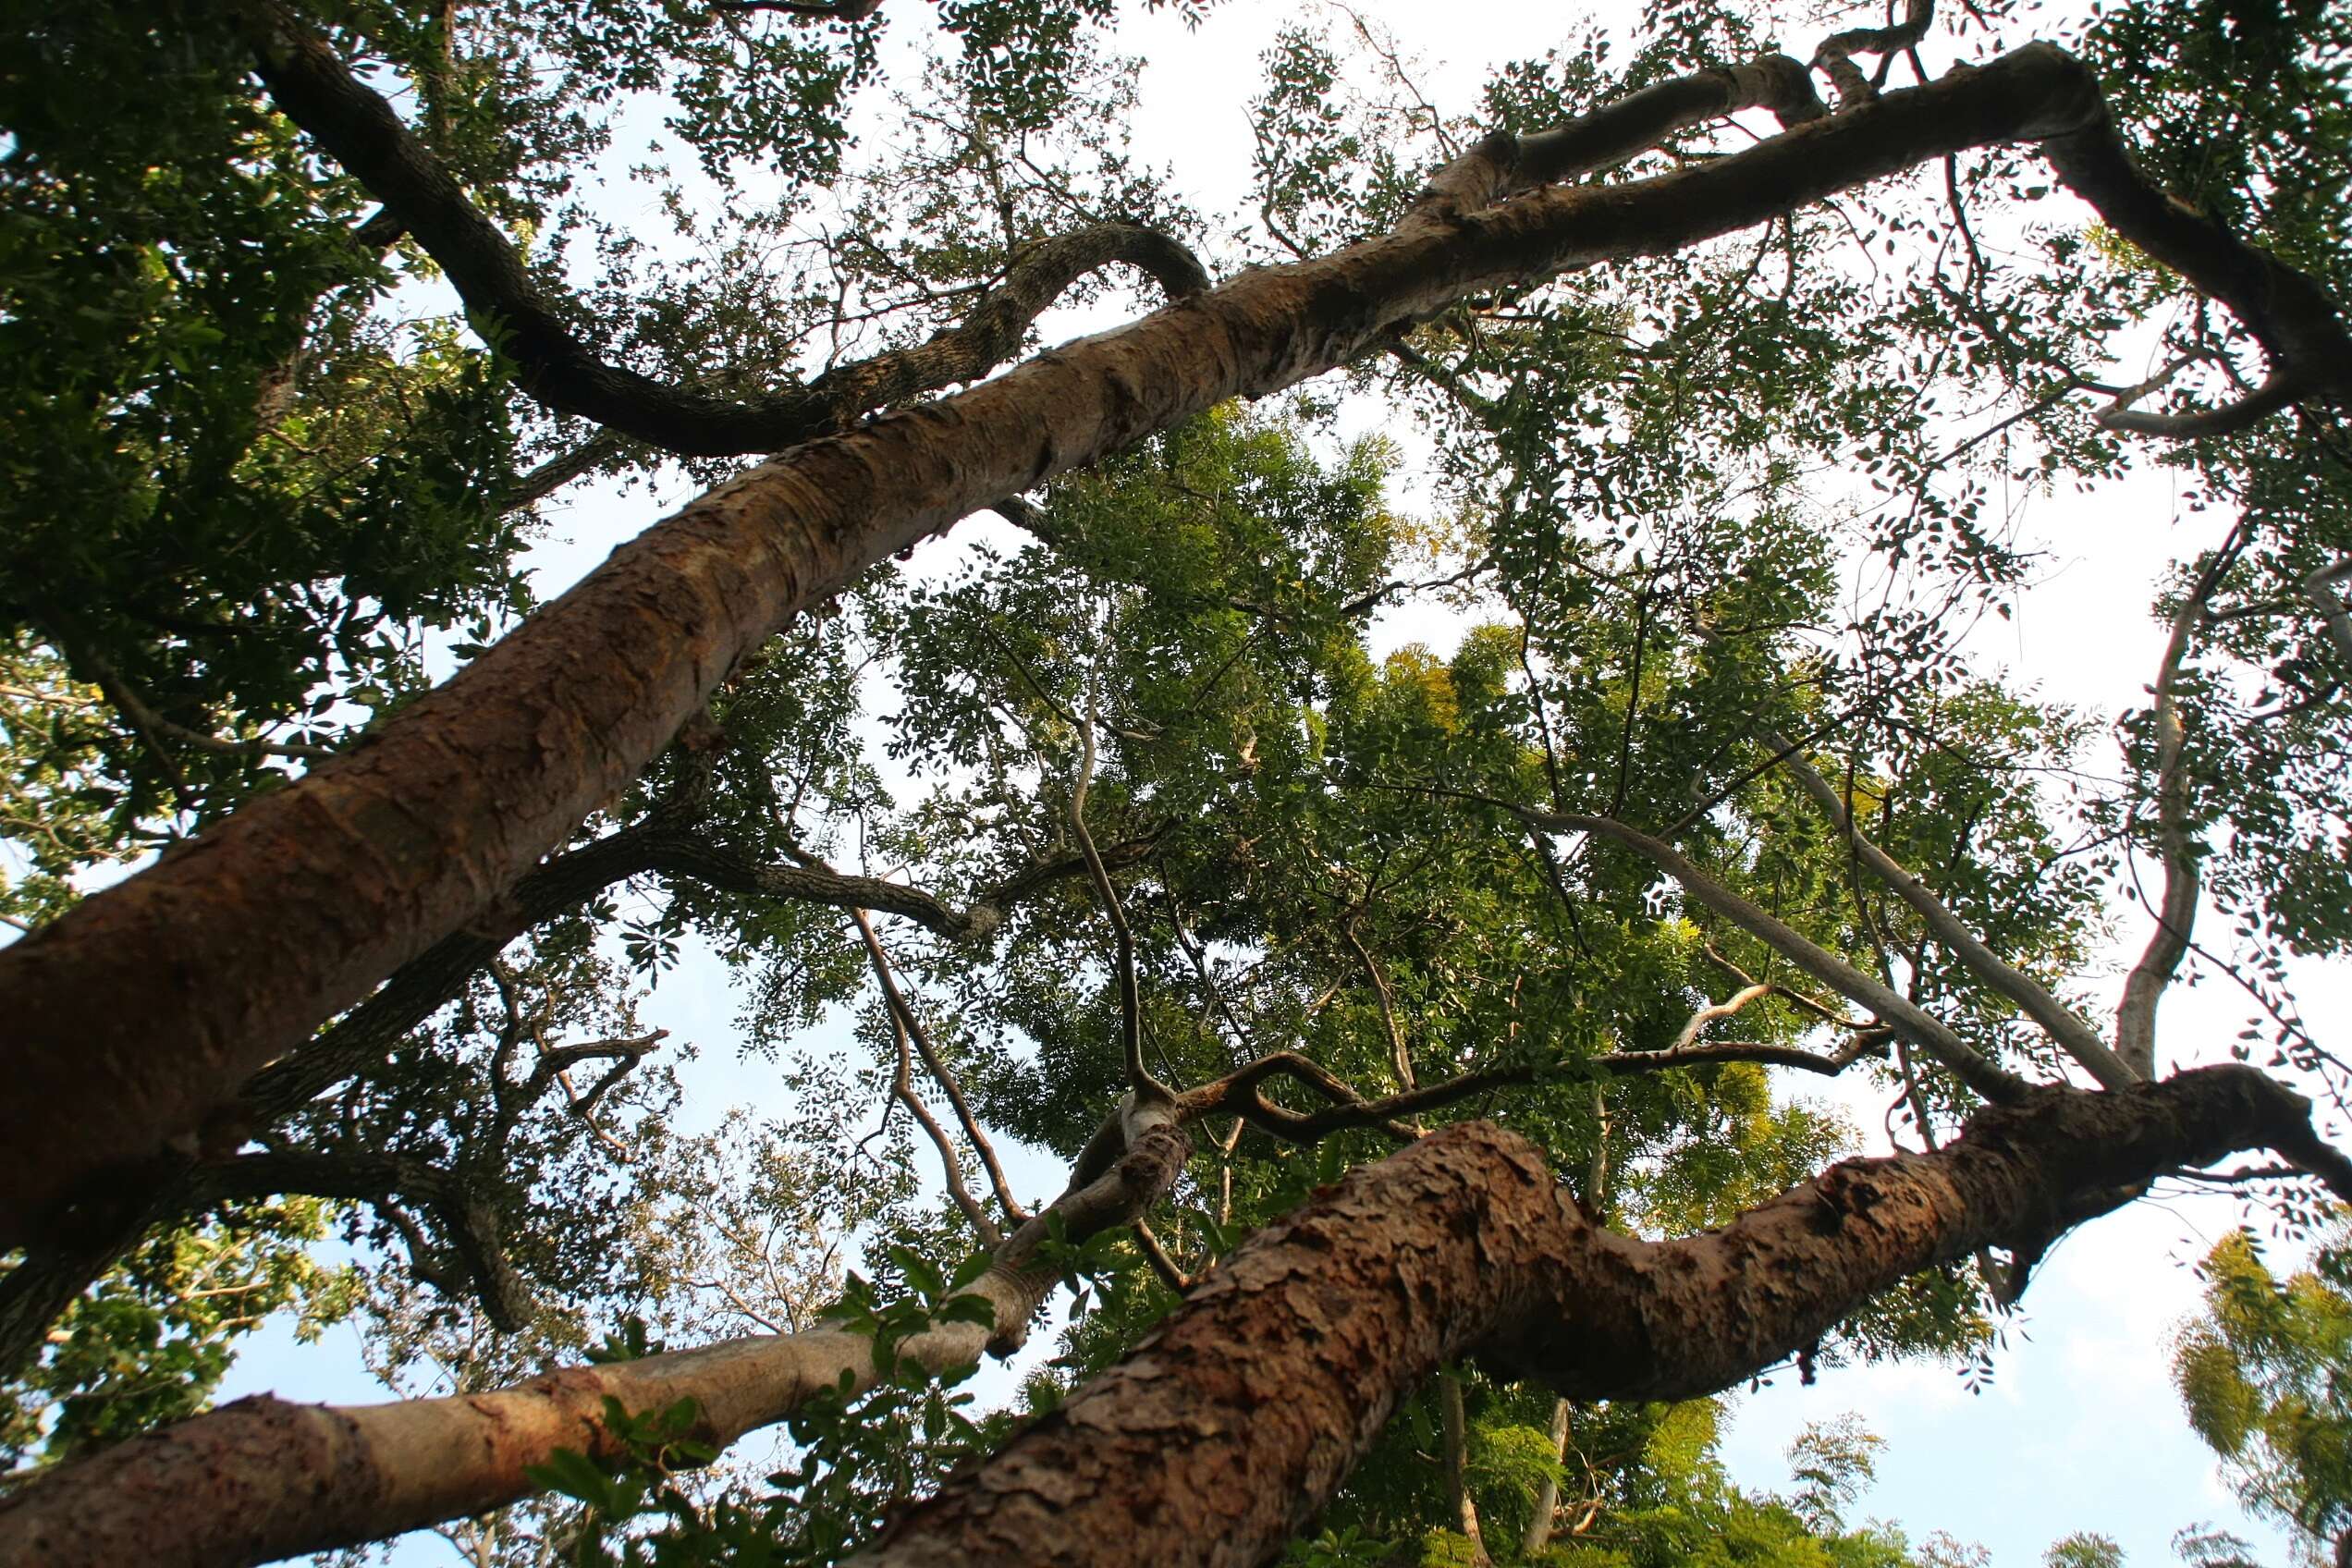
[1410,1026]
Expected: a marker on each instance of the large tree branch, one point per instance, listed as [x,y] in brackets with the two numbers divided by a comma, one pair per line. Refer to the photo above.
[222,957]
[468,1222]
[2288,313]
[53,1273]
[309,1477]
[1503,165]
[1234,1424]
[310,84]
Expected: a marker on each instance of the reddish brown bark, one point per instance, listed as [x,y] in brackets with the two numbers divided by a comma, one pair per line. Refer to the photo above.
[145,1006]
[265,1478]
[1223,1433]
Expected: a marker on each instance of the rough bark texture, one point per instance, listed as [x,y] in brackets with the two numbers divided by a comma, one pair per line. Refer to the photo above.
[231,950]
[1223,1433]
[264,1478]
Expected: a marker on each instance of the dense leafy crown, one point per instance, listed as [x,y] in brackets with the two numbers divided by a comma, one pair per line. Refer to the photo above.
[1263,736]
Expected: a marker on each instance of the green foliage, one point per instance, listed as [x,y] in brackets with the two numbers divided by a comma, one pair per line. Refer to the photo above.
[151,1339]
[2083,1549]
[253,492]
[2262,1371]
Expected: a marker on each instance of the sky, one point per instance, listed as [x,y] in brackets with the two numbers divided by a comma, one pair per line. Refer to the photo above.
[2079,1428]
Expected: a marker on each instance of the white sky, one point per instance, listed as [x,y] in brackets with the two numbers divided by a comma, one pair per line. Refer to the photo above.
[2080,1430]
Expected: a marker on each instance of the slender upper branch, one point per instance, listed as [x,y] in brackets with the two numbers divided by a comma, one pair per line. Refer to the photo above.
[2176,912]
[2073,1035]
[309,81]
[1927,1033]
[909,1027]
[1130,1015]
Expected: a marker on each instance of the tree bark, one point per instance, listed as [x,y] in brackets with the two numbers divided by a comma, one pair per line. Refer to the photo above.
[1456,1426]
[1227,1429]
[265,1478]
[1546,1510]
[230,950]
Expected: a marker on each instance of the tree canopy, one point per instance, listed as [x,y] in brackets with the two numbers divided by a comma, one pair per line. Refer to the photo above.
[1469,704]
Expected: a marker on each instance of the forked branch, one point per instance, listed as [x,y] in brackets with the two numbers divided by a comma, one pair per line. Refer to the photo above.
[2073,1035]
[908,1026]
[312,85]
[312,1478]
[1898,1012]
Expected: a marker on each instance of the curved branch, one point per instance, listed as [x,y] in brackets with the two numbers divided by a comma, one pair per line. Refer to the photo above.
[2288,313]
[1834,57]
[1503,164]
[310,84]
[1755,991]
[2176,914]
[1467,1244]
[470,1223]
[1130,1015]
[1239,1093]
[2277,391]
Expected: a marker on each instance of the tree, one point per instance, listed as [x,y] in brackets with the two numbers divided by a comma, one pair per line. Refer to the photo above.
[1254,904]
[2261,1373]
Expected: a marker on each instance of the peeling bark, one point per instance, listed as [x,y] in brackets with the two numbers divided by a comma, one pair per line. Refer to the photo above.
[1225,1430]
[229,951]
[265,1478]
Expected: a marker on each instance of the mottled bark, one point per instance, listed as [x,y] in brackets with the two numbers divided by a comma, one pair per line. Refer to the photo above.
[264,1478]
[1227,1429]
[180,1184]
[231,950]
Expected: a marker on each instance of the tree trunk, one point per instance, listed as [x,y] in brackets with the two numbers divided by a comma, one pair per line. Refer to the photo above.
[1229,1427]
[1457,1463]
[230,950]
[1540,1523]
